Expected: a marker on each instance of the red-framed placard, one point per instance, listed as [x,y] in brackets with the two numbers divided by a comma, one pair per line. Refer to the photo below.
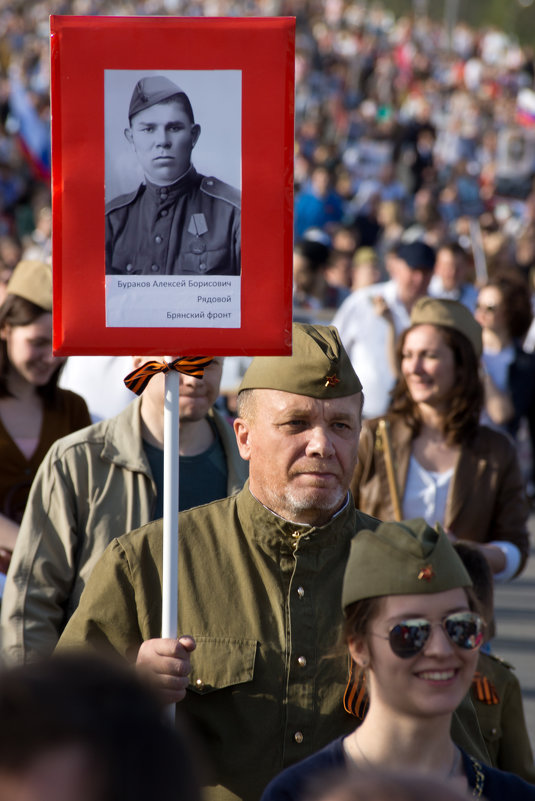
[238,75]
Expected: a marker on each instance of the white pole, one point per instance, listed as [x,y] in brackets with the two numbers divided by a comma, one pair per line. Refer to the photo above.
[170,508]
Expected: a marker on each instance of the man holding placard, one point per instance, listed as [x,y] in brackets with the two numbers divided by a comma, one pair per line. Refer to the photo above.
[260,578]
[177,222]
[106,478]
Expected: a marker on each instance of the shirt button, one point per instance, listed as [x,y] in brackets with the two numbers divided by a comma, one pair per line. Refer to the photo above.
[158,239]
[302,661]
[298,737]
[203,268]
[493,731]
[155,268]
[300,592]
[164,213]
[199,683]
[129,268]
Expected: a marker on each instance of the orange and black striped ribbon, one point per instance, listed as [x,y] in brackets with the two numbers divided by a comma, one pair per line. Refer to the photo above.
[138,379]
[356,698]
[484,689]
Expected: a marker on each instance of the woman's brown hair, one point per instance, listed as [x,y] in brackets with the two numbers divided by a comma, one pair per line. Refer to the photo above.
[466,397]
[19,311]
[516,303]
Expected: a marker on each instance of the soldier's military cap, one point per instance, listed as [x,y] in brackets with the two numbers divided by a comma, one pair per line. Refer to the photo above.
[405,558]
[32,280]
[151,90]
[319,366]
[451,314]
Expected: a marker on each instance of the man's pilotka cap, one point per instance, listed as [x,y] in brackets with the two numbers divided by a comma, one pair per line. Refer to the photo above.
[417,255]
[152,90]
[32,280]
[319,366]
[450,314]
[405,558]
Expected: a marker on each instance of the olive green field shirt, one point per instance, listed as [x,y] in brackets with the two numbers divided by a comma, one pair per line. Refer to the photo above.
[261,596]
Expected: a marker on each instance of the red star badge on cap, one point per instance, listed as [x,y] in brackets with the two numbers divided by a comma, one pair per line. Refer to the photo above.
[426,573]
[331,380]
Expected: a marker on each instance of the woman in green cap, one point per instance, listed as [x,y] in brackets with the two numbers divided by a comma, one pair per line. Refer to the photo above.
[430,457]
[34,412]
[413,632]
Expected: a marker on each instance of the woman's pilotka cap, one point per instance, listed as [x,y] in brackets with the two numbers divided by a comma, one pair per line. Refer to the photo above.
[405,558]
[319,366]
[451,314]
[32,280]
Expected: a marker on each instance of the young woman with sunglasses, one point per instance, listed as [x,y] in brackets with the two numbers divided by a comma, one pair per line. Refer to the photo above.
[447,467]
[413,632]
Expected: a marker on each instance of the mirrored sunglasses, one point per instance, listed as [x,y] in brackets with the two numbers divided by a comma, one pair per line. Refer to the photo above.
[464,629]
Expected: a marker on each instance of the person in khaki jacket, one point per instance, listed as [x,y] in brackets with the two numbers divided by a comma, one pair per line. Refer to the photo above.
[496,691]
[259,580]
[101,482]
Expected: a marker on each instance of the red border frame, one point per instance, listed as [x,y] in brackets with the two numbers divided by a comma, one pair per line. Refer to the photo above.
[81,49]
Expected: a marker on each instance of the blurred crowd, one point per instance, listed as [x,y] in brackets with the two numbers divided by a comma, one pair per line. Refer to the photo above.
[405,131]
[414,176]
[401,127]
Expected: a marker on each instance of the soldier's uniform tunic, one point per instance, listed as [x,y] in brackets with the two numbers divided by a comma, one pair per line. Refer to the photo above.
[262,598]
[501,718]
[191,227]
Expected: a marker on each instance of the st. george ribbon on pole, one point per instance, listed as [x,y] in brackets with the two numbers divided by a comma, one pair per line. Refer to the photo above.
[136,381]
[170,509]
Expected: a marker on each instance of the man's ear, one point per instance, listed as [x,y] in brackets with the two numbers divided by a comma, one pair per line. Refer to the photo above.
[242,430]
[195,133]
[128,136]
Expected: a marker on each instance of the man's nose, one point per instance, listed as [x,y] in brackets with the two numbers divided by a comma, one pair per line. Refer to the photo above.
[320,442]
[164,139]
[190,380]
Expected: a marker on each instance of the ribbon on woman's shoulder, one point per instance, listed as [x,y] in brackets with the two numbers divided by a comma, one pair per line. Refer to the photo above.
[138,379]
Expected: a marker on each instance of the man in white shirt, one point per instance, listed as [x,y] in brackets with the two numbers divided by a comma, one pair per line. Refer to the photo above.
[372,317]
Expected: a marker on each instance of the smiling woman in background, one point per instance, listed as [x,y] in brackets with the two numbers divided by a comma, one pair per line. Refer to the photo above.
[33,411]
[445,466]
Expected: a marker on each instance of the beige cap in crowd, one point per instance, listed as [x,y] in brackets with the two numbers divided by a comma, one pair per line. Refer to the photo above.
[451,314]
[405,558]
[32,280]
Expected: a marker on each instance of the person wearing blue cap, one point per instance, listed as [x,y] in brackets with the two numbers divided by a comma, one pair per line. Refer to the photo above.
[177,222]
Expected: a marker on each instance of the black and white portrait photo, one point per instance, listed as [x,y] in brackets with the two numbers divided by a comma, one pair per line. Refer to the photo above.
[172,186]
